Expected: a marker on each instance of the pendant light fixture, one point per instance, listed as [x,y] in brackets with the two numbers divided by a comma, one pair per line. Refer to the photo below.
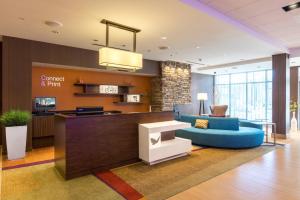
[119,59]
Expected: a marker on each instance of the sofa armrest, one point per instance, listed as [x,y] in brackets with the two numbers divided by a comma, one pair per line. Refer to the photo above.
[246,123]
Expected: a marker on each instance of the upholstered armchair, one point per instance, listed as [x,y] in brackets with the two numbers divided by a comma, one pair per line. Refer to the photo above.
[218,110]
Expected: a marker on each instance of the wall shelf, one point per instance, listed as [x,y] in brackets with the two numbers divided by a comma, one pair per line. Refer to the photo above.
[128,103]
[98,84]
[92,90]
[96,94]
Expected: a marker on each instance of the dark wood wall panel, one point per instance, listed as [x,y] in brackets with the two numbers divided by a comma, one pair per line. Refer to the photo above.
[281,92]
[1,77]
[42,126]
[71,56]
[1,127]
[16,78]
[63,55]
[18,56]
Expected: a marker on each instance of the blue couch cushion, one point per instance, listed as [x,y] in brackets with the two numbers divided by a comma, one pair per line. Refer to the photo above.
[247,123]
[214,122]
[191,118]
[223,123]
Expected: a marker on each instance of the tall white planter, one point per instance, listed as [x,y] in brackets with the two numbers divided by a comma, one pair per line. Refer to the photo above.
[294,123]
[16,142]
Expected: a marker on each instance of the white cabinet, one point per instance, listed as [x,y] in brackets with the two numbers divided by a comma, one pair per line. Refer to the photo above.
[152,150]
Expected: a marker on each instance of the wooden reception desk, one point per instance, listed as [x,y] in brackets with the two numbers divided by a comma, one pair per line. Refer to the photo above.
[87,144]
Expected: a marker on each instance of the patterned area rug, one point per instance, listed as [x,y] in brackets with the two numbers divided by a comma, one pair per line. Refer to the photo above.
[42,182]
[169,178]
[137,181]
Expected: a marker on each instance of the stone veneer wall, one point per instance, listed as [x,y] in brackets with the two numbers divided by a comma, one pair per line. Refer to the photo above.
[172,87]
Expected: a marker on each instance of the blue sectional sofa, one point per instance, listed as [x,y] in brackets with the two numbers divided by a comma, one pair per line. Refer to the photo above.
[223,132]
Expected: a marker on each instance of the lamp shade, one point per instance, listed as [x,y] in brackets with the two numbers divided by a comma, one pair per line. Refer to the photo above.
[202,96]
[117,58]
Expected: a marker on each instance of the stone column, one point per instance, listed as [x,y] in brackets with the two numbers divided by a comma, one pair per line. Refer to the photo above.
[172,87]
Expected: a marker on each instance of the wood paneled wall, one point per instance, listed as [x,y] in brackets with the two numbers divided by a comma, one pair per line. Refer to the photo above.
[1,127]
[16,79]
[63,55]
[281,93]
[18,56]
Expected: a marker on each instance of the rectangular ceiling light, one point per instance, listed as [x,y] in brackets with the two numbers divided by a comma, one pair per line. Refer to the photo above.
[291,7]
[116,58]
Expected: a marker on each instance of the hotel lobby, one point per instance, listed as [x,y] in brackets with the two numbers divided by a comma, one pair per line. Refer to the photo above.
[149,100]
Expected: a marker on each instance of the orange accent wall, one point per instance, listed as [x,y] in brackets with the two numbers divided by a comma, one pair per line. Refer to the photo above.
[65,99]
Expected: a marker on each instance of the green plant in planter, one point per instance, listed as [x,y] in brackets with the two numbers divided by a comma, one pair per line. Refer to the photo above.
[15,118]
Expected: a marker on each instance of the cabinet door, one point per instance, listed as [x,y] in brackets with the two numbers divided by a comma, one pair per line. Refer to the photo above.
[43,126]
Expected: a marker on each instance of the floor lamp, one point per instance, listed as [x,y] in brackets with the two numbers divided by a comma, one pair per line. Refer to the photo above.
[202,97]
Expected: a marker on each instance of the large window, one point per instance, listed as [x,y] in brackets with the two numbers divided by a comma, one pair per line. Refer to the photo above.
[248,95]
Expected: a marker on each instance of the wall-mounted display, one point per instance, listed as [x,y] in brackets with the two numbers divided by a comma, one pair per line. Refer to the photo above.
[44,103]
[108,89]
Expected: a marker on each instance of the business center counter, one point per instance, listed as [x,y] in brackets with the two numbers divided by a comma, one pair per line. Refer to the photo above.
[85,144]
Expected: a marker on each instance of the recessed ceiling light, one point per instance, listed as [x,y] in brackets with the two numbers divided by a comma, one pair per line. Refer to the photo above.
[163,38]
[197,47]
[55,32]
[21,18]
[53,23]
[164,47]
[95,40]
[233,67]
[291,7]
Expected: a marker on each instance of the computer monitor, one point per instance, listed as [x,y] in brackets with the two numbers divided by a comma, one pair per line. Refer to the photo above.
[44,103]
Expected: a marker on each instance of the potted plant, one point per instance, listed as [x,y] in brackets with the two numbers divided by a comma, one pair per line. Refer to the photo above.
[293,109]
[15,123]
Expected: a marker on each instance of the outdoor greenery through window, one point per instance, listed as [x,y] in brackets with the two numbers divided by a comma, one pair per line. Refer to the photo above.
[248,95]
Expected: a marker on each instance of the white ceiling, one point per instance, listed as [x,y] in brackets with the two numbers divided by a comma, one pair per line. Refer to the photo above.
[184,26]
[244,66]
[238,67]
[264,16]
